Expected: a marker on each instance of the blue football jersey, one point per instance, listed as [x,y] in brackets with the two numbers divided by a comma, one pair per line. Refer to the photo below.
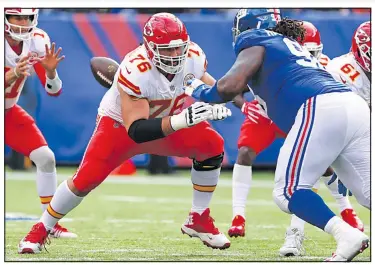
[288,76]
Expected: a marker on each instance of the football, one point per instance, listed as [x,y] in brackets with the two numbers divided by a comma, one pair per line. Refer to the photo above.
[104,70]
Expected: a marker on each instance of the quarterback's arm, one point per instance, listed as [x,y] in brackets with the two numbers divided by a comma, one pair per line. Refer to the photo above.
[51,81]
[10,76]
[47,62]
[21,69]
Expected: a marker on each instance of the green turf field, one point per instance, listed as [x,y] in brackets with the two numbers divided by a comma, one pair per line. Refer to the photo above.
[138,219]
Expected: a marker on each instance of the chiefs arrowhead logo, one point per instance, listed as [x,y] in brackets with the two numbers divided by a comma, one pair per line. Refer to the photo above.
[361,36]
[148,30]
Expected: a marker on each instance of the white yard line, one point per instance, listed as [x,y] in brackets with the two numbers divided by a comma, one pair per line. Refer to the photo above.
[119,250]
[170,200]
[187,200]
[141,221]
[170,180]
[24,217]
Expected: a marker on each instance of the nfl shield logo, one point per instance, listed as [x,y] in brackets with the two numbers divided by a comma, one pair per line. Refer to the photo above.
[188,77]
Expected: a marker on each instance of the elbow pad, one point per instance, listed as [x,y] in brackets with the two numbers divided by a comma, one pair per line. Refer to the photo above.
[143,130]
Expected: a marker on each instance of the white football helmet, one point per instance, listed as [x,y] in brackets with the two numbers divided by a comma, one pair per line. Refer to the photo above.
[21,33]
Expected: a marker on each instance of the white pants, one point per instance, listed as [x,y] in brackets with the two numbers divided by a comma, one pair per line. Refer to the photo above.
[329,129]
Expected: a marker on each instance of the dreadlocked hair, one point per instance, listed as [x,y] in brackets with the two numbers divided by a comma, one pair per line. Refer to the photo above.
[290,28]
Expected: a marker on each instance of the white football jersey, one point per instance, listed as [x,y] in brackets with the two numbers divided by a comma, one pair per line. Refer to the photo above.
[345,69]
[140,78]
[324,59]
[36,46]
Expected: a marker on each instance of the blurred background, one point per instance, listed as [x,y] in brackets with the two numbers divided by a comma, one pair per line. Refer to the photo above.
[67,121]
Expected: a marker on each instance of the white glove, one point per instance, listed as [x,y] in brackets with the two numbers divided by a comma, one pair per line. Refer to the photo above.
[220,112]
[196,113]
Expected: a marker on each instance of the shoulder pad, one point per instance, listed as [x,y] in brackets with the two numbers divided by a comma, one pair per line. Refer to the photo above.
[131,80]
[198,56]
[334,67]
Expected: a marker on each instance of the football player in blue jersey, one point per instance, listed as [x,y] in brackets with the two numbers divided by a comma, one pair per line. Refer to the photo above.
[326,123]
[259,131]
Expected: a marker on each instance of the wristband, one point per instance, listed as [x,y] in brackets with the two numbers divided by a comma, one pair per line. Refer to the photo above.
[15,72]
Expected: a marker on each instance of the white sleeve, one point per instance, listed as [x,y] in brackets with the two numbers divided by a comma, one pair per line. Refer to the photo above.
[41,38]
[200,61]
[334,69]
[131,81]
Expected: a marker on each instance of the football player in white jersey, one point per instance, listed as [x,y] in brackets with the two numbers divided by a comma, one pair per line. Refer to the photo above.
[27,50]
[143,113]
[354,68]
[294,235]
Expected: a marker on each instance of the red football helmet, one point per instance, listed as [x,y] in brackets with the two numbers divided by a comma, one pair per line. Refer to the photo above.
[312,40]
[361,45]
[17,32]
[163,33]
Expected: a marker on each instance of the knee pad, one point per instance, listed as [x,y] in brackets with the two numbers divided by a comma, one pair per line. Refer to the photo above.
[44,159]
[208,164]
[280,200]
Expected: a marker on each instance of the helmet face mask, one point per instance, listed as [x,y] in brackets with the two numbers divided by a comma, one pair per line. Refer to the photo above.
[167,42]
[316,53]
[164,59]
[361,46]
[314,49]
[254,18]
[21,32]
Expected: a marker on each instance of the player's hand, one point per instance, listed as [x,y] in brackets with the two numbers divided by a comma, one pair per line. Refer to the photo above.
[253,110]
[195,87]
[196,113]
[51,59]
[22,67]
[220,112]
